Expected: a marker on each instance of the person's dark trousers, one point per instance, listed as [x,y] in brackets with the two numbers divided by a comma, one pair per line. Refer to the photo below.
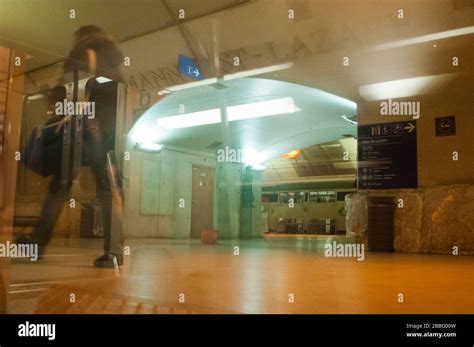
[113,235]
[52,207]
[50,211]
[96,143]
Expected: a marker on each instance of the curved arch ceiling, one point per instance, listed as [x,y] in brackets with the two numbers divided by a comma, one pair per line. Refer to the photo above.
[267,116]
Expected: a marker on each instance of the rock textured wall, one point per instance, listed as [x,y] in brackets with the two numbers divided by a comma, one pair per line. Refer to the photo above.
[432,219]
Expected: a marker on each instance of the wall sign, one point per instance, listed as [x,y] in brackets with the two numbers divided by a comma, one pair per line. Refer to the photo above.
[387,156]
[187,66]
[445,126]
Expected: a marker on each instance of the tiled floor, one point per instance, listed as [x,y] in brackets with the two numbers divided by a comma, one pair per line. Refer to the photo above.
[262,278]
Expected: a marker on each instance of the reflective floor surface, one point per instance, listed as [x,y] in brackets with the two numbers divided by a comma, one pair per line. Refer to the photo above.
[272,275]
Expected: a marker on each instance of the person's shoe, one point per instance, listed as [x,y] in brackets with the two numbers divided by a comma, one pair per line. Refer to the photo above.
[26,239]
[23,239]
[107,261]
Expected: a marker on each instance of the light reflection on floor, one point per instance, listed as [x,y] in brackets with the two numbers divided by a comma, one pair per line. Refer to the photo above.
[261,279]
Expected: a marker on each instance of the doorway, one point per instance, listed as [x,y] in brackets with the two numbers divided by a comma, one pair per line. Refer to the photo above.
[202,199]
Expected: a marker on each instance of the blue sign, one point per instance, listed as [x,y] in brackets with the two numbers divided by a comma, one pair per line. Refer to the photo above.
[187,66]
[387,156]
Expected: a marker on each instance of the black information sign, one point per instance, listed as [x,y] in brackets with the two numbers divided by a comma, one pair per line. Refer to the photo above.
[445,126]
[387,156]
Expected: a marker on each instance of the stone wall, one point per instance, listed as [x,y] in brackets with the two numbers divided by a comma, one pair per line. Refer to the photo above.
[432,219]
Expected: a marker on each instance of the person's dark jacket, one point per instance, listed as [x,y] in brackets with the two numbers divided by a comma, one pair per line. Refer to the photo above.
[98,135]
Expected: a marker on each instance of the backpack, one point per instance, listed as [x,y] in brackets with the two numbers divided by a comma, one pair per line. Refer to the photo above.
[43,150]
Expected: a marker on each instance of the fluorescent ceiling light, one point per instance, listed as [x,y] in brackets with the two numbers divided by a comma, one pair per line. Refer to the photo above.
[234,113]
[190,119]
[259,71]
[188,85]
[405,87]
[163,92]
[262,109]
[35,96]
[144,133]
[424,38]
[102,79]
[256,167]
[149,146]
[252,157]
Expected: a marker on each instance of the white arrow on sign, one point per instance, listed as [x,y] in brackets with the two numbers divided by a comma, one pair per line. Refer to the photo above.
[410,127]
[194,72]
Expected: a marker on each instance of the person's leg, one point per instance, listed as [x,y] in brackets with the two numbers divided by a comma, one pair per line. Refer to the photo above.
[105,199]
[116,238]
[111,221]
[50,211]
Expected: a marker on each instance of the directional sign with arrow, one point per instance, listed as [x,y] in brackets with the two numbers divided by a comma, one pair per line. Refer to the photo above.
[410,127]
[187,66]
[387,156]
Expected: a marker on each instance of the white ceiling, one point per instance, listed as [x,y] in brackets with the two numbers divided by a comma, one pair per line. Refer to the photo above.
[316,40]
[322,33]
[318,119]
[44,29]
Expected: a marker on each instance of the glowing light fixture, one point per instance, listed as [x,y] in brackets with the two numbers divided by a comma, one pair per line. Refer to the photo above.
[144,134]
[425,38]
[234,113]
[292,155]
[262,109]
[192,119]
[188,85]
[149,146]
[163,92]
[332,145]
[253,159]
[102,79]
[256,167]
[259,71]
[405,87]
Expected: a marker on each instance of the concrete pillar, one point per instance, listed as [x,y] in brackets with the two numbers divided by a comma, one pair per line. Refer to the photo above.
[228,199]
[250,205]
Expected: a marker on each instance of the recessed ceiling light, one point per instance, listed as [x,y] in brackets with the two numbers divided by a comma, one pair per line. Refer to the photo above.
[262,109]
[405,87]
[258,71]
[332,145]
[149,147]
[234,113]
[102,79]
[424,38]
[192,119]
[256,167]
